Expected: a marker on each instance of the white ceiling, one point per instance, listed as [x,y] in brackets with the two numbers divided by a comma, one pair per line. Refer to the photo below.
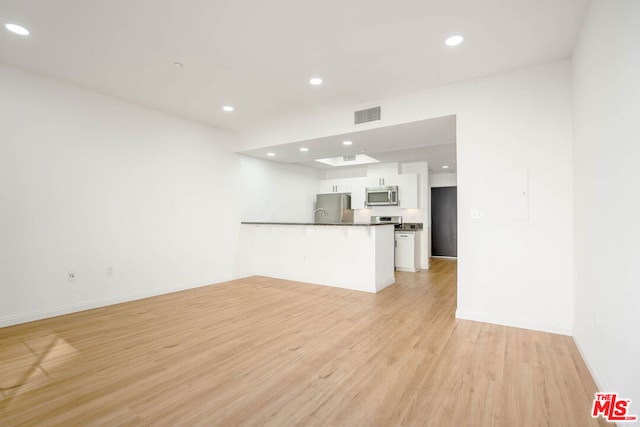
[259,55]
[432,140]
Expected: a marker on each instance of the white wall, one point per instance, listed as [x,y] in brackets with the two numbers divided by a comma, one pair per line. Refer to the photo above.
[513,272]
[443,179]
[89,182]
[607,235]
[277,192]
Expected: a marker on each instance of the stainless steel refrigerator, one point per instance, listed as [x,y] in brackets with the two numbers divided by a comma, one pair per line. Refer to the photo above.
[333,208]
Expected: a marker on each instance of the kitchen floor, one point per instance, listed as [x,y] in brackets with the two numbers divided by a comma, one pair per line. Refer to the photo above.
[263,351]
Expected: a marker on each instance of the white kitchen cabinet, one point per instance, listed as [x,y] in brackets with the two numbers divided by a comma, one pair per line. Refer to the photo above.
[380,181]
[382,174]
[358,187]
[407,251]
[408,190]
[335,185]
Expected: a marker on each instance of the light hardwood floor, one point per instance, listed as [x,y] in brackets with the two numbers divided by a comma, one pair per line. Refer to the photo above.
[262,351]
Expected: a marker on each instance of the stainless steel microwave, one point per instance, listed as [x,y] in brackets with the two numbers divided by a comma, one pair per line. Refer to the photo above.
[381,196]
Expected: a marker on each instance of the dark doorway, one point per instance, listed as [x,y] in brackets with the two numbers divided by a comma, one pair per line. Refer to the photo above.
[444,217]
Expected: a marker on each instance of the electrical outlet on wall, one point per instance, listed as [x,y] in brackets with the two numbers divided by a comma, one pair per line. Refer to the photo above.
[476,213]
[597,316]
[109,271]
[71,276]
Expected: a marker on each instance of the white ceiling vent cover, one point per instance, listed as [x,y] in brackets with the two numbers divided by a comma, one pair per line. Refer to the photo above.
[368,115]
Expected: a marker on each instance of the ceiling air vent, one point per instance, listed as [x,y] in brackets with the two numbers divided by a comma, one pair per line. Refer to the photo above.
[368,115]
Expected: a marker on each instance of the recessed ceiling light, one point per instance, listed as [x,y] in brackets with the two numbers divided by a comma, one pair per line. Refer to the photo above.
[347,142]
[271,154]
[228,108]
[454,40]
[17,29]
[315,81]
[445,167]
[304,149]
[178,64]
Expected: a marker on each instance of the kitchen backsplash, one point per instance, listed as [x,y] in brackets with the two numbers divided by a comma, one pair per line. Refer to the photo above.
[408,215]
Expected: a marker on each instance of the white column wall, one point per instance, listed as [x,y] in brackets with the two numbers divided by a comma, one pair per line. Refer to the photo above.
[607,235]
[423,214]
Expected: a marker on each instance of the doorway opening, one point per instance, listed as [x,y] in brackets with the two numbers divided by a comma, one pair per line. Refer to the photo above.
[444,218]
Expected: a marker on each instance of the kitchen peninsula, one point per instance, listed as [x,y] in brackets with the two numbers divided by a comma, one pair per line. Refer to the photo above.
[351,256]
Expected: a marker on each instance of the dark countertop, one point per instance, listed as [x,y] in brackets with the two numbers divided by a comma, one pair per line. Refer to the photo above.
[410,226]
[311,223]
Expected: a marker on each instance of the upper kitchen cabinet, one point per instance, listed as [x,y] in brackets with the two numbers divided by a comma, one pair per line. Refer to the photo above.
[358,187]
[382,174]
[408,190]
[336,185]
[380,181]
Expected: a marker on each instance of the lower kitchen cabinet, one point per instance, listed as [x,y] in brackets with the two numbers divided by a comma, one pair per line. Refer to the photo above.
[407,251]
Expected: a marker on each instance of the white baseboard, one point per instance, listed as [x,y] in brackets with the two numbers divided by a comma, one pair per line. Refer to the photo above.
[380,286]
[88,305]
[516,323]
[600,382]
[407,270]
